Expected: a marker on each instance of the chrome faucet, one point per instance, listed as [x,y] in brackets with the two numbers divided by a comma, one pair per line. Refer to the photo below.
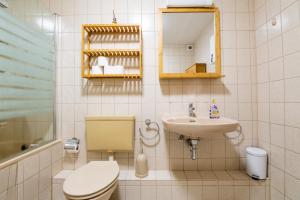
[191,110]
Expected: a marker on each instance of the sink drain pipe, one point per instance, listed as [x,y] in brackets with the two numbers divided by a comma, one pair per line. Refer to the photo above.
[193,143]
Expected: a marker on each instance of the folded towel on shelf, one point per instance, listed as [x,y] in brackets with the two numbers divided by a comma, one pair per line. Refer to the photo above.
[189,3]
[118,69]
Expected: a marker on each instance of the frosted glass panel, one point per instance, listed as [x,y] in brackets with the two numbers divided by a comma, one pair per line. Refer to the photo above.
[27,60]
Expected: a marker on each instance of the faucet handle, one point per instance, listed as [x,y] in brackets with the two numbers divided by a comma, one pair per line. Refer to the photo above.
[191,106]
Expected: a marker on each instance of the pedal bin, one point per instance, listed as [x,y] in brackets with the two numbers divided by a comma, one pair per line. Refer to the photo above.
[257,163]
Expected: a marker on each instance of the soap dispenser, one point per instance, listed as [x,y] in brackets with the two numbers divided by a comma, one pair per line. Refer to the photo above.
[214,111]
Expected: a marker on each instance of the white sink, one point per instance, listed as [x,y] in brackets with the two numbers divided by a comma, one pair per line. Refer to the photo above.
[197,127]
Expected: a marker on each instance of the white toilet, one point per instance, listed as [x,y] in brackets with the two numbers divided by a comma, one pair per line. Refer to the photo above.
[97,180]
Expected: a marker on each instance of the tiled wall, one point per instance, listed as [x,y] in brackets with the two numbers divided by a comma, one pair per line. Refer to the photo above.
[177,58]
[278,81]
[34,12]
[30,178]
[235,94]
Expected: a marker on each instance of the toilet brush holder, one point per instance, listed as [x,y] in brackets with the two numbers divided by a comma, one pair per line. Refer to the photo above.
[141,166]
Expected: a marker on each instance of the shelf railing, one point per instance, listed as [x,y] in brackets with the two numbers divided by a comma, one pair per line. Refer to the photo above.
[111,28]
[108,53]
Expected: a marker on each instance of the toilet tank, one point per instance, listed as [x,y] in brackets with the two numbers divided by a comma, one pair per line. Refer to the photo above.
[110,133]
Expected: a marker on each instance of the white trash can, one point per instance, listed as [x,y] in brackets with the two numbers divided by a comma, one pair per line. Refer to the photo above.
[257,163]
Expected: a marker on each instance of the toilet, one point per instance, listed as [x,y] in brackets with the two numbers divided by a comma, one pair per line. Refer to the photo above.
[97,180]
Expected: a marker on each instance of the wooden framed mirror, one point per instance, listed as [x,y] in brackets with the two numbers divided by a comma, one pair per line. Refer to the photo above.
[189,43]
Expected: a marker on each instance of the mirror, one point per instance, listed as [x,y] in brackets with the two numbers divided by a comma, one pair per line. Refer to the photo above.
[190,43]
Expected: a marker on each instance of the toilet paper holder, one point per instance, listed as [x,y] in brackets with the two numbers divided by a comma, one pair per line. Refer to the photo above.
[72,145]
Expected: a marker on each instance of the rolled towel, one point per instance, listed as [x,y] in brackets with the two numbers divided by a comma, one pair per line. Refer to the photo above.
[189,3]
[97,70]
[102,61]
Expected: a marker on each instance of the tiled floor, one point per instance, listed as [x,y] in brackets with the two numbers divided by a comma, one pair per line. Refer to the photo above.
[184,185]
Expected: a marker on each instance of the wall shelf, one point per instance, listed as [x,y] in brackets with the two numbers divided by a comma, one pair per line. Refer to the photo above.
[190,75]
[116,39]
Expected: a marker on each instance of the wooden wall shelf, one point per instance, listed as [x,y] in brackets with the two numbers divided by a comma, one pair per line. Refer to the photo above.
[91,51]
[189,75]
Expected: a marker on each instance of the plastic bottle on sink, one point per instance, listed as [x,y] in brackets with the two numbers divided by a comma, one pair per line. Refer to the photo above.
[214,110]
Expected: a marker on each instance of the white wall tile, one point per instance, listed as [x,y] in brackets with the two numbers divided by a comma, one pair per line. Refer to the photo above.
[276,69]
[291,185]
[31,166]
[4,174]
[277,113]
[275,48]
[277,157]
[242,21]
[148,192]
[289,39]
[290,17]
[31,188]
[292,93]
[242,5]
[228,21]
[133,192]
[292,138]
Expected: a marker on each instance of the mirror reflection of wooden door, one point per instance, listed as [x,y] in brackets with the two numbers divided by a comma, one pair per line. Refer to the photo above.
[190,43]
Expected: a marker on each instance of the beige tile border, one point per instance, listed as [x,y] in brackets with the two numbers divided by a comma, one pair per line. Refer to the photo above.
[27,154]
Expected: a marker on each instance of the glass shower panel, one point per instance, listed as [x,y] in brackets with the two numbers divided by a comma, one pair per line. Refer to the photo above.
[27,84]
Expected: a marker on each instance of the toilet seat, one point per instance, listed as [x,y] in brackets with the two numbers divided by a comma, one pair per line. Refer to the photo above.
[92,180]
[99,195]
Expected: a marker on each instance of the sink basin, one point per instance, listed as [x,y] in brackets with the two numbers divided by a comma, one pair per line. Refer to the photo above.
[196,127]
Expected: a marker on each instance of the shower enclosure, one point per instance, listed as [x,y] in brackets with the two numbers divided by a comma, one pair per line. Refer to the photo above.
[27,76]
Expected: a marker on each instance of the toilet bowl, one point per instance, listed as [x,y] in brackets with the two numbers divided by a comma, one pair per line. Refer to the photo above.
[96,180]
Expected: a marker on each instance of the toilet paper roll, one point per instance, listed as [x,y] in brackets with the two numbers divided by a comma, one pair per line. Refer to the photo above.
[97,70]
[102,61]
[72,148]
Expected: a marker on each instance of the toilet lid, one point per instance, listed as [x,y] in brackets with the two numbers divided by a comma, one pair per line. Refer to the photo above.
[91,178]
[256,151]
